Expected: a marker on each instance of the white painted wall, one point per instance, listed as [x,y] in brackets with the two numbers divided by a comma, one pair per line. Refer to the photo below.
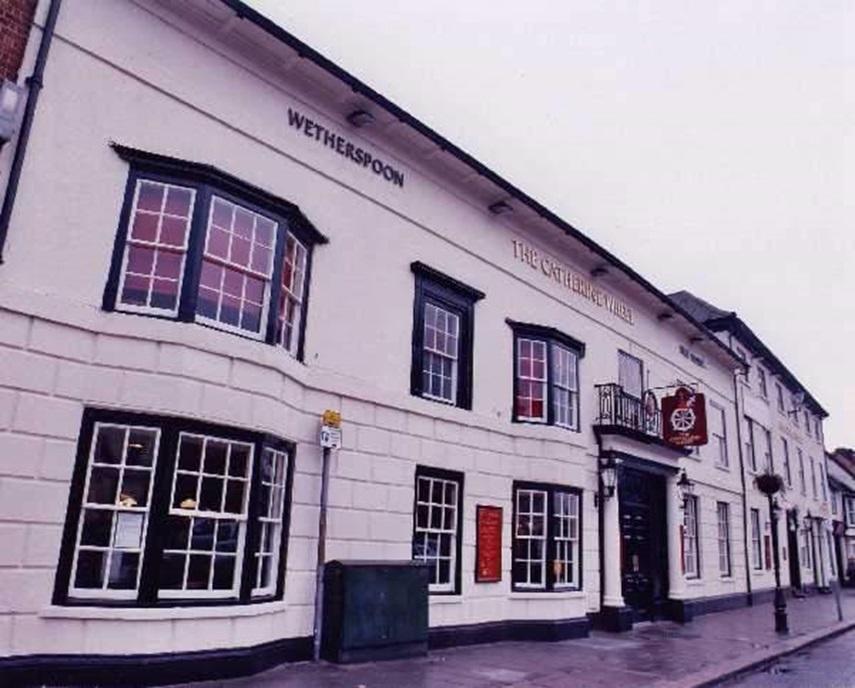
[152,83]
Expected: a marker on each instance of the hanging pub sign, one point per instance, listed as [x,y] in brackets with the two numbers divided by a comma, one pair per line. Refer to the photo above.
[488,545]
[684,418]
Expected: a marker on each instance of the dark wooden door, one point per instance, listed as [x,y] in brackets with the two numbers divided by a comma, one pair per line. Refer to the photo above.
[793,546]
[644,557]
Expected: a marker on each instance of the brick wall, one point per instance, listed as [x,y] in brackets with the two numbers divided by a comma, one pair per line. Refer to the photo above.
[16,17]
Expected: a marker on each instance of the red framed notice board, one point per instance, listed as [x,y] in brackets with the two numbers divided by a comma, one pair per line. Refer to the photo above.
[488,544]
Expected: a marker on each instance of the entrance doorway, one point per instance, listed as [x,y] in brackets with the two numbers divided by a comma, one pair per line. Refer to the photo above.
[644,554]
[793,547]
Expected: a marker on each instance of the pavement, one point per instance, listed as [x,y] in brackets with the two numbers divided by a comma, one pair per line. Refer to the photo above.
[830,664]
[709,650]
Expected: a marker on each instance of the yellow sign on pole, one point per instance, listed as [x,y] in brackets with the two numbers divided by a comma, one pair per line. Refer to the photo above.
[332,418]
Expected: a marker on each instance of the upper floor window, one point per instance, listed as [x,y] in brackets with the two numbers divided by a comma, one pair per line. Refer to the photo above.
[197,245]
[813,478]
[788,474]
[807,422]
[741,353]
[442,338]
[818,429]
[779,392]
[631,374]
[802,481]
[546,537]
[794,412]
[749,444]
[719,434]
[761,382]
[768,464]
[163,508]
[849,503]
[822,482]
[546,376]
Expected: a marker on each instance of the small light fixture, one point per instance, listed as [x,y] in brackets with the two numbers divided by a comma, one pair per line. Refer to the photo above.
[501,208]
[599,271]
[686,487]
[608,473]
[11,100]
[808,520]
[665,315]
[696,339]
[360,118]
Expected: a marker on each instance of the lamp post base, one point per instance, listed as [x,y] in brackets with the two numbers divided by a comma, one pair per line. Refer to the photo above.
[780,612]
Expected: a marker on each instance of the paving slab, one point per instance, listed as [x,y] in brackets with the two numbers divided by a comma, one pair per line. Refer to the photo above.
[665,654]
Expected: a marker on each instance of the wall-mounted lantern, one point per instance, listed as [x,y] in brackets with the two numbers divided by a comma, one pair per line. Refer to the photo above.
[686,487]
[608,474]
[11,100]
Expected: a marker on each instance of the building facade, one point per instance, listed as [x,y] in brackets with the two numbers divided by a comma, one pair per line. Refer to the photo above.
[214,241]
[780,427]
[841,483]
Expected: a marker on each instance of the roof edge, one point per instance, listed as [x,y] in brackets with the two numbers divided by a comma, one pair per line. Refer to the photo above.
[244,11]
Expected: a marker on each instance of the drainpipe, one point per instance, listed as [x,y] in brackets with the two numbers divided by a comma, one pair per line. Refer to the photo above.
[34,82]
[742,478]
[601,523]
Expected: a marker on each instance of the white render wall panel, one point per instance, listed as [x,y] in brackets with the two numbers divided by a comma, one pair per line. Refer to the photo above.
[61,352]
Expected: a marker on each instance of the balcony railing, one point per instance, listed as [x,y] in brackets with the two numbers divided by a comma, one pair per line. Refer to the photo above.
[619,409]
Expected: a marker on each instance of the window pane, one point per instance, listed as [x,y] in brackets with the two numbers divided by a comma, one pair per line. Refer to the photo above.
[156,247]
[435,535]
[235,283]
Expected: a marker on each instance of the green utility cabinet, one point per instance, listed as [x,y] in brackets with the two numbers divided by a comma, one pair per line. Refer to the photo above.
[374,610]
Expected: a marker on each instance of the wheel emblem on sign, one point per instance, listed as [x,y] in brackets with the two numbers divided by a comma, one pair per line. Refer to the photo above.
[683,419]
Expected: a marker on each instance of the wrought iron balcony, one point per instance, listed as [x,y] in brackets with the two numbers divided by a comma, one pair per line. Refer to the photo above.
[627,414]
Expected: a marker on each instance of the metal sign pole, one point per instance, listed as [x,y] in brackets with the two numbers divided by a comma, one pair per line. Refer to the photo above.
[322,546]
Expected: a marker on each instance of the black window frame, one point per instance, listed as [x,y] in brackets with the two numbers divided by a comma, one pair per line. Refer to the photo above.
[551,337]
[432,286]
[159,499]
[550,489]
[208,181]
[458,477]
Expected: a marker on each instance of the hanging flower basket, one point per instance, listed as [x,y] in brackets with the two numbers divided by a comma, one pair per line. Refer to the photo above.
[769,483]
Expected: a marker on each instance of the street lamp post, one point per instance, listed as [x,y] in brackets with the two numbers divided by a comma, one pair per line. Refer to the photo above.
[770,484]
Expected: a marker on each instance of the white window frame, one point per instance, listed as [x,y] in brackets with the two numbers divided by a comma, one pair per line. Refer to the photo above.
[292,293]
[567,536]
[850,511]
[767,455]
[762,385]
[542,382]
[788,469]
[756,541]
[423,533]
[155,246]
[104,592]
[722,460]
[243,270]
[242,520]
[571,388]
[272,520]
[725,564]
[529,537]
[782,407]
[428,352]
[691,538]
[802,479]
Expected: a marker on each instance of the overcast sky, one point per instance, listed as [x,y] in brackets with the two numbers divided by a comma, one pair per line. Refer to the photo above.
[709,145]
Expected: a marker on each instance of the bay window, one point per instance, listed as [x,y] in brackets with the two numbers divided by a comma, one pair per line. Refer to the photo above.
[171,511]
[547,529]
[197,245]
[546,376]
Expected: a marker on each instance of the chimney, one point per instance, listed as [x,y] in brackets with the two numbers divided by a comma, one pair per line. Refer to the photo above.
[16,18]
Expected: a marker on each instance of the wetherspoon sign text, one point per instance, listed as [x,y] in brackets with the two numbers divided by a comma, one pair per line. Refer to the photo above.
[550,267]
[344,147]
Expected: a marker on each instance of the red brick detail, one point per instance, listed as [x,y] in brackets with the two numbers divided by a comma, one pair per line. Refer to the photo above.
[16,18]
